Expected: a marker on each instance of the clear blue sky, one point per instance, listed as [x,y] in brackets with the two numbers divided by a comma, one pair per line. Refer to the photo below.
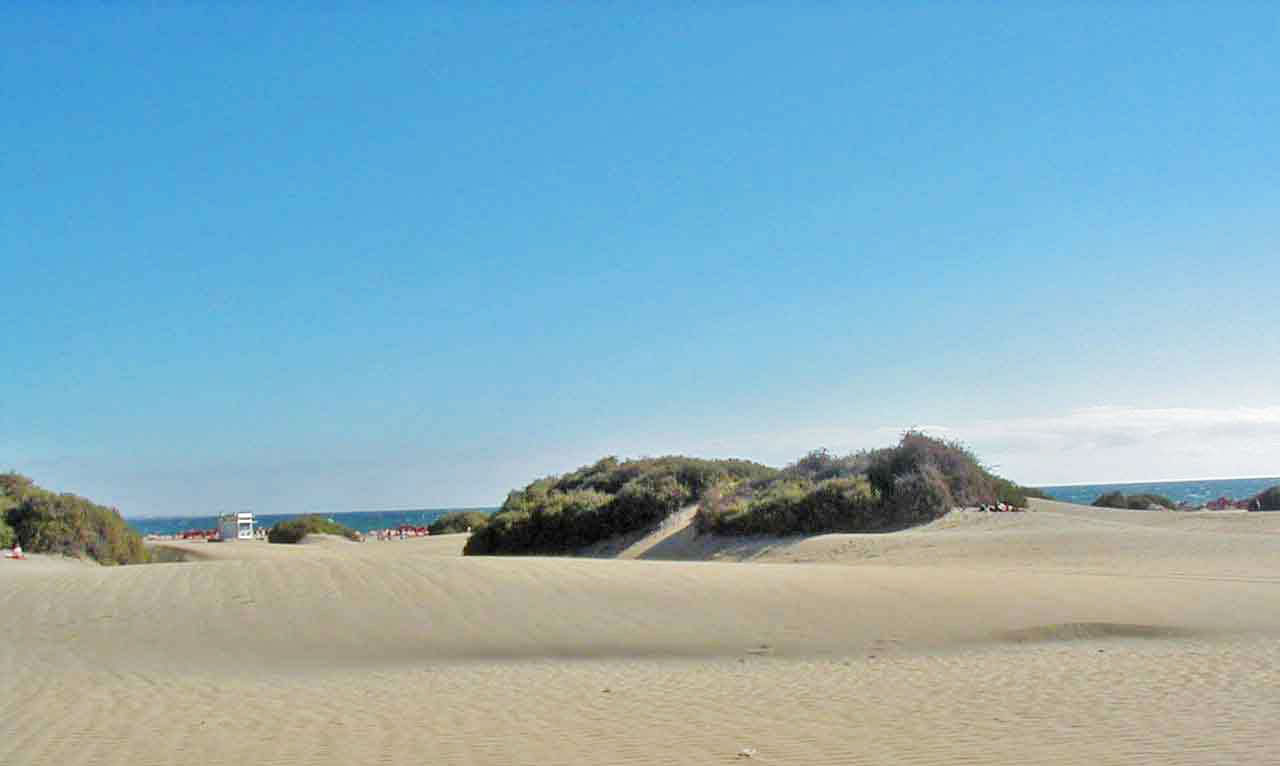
[394,256]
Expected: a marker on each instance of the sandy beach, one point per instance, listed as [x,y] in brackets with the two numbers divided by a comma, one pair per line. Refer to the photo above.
[1062,635]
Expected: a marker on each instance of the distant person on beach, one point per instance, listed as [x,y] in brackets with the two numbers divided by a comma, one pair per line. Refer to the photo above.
[16,553]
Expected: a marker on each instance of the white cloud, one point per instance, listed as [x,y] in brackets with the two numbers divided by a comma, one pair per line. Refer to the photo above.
[1088,445]
[1114,443]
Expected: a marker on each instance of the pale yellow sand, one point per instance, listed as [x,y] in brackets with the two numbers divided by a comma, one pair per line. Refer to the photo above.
[1065,635]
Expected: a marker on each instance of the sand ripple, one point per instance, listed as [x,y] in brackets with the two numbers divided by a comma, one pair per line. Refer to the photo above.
[1058,647]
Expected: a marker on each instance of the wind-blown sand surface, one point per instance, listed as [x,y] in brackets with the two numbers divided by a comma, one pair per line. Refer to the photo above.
[1064,635]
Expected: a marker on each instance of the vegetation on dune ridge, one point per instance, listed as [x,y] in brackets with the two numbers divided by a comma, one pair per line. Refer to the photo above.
[919,480]
[7,536]
[458,521]
[1138,502]
[1268,499]
[1011,492]
[49,522]
[915,482]
[560,514]
[293,530]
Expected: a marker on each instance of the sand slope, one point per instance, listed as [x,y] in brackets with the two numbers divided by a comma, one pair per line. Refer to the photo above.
[1055,537]
[1066,635]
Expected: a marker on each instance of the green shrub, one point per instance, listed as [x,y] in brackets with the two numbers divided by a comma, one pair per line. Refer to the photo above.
[913,483]
[1146,500]
[7,535]
[560,514]
[14,487]
[1016,494]
[293,530]
[46,522]
[1139,502]
[1111,500]
[968,483]
[1268,500]
[920,496]
[458,521]
[820,465]
[792,506]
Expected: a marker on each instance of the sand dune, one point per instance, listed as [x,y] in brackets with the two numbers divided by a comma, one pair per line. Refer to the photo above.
[1056,537]
[1064,635]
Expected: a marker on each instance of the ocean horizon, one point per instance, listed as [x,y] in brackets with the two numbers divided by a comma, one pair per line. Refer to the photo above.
[360,521]
[1193,492]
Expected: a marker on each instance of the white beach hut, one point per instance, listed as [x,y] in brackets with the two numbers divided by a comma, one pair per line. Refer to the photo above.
[236,526]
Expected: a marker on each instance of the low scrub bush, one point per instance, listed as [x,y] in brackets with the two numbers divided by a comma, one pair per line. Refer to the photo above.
[293,530]
[458,521]
[47,522]
[968,483]
[915,482]
[561,514]
[1111,500]
[1016,494]
[920,496]
[820,465]
[1268,500]
[792,506]
[1144,501]
[1138,502]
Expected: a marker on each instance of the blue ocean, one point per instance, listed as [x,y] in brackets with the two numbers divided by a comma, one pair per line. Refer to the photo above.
[361,521]
[1193,493]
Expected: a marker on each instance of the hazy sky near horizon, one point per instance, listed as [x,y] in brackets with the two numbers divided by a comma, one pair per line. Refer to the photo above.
[401,256]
